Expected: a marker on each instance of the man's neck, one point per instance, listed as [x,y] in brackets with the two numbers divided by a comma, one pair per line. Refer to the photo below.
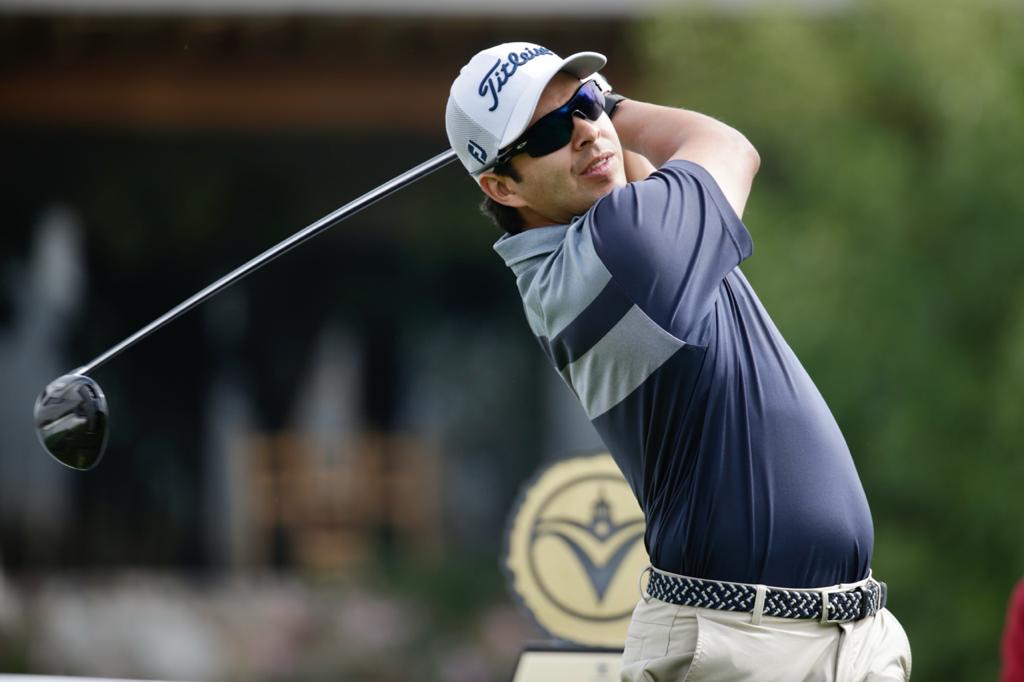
[532,219]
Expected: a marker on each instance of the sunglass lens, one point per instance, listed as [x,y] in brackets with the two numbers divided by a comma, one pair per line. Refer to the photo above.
[552,132]
[548,135]
[590,101]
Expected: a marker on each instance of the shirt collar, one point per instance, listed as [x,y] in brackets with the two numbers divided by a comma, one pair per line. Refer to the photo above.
[517,250]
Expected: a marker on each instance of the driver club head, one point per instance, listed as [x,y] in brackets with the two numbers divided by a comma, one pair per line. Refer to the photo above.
[71,421]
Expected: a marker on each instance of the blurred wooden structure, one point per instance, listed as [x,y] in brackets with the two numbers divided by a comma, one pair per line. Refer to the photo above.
[326,505]
[387,74]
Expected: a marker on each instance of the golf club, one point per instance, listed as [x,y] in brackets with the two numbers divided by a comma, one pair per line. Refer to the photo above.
[71,413]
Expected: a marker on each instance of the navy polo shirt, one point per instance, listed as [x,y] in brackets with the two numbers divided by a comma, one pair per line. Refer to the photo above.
[737,462]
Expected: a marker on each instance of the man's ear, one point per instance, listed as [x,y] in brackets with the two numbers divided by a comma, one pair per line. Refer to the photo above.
[502,189]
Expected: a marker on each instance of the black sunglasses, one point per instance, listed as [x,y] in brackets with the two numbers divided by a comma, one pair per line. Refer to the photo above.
[553,131]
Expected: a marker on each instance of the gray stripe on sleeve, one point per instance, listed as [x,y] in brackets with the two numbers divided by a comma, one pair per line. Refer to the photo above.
[566,285]
[620,362]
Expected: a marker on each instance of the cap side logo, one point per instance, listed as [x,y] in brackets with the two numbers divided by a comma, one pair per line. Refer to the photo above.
[498,75]
[477,152]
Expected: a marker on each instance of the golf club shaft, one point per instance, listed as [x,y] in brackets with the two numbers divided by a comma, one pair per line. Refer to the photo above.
[270,254]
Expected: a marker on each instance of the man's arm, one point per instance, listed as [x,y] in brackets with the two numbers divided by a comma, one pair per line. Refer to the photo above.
[637,167]
[662,133]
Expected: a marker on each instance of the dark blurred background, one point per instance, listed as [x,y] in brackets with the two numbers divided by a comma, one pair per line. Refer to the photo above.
[308,477]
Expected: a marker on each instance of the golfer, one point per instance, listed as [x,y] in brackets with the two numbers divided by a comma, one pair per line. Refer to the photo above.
[624,234]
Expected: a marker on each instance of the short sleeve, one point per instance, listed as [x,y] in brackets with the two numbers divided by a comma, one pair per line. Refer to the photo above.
[669,241]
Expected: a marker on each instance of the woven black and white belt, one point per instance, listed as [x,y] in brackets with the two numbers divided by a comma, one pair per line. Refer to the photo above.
[828,605]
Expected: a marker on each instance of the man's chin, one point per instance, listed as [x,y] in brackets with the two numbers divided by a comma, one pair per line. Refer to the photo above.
[606,188]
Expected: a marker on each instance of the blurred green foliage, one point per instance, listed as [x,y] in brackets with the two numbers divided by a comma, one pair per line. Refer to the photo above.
[887,222]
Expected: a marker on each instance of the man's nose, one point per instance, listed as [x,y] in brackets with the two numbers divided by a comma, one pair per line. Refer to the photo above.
[584,130]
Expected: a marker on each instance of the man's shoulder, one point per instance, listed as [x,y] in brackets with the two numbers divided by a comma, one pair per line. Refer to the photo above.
[662,188]
[650,214]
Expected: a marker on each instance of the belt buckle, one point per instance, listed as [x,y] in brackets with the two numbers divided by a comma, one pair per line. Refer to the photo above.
[825,620]
[871,599]
[644,594]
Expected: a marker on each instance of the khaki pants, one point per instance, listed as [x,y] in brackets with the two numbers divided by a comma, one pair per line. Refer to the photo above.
[670,643]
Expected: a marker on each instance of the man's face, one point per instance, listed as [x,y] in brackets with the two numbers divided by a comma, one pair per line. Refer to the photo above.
[565,183]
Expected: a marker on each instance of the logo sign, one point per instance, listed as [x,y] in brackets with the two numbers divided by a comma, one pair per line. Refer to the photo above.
[575,550]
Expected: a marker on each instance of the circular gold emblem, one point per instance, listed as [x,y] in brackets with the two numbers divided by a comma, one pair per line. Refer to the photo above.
[575,549]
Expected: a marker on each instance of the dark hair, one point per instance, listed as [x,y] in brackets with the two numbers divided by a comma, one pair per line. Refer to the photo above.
[507,218]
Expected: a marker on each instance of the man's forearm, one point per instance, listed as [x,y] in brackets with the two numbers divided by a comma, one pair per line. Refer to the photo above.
[659,132]
[664,133]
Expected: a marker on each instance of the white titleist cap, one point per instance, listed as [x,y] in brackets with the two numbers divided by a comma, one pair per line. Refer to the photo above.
[496,93]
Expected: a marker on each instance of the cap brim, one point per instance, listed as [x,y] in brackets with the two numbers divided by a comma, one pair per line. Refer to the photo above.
[581,65]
